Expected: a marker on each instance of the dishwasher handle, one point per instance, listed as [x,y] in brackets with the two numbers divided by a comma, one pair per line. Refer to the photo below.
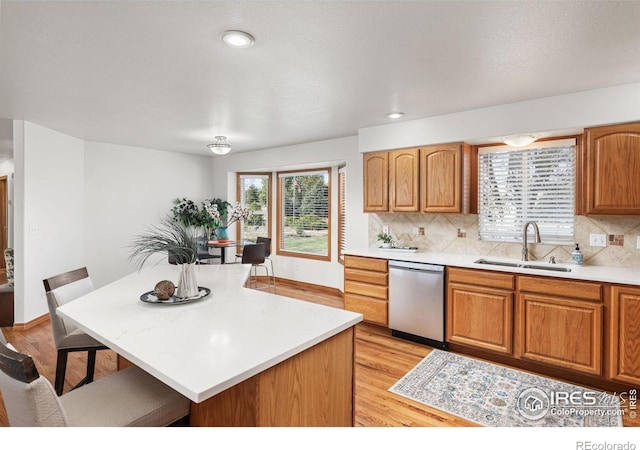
[407,265]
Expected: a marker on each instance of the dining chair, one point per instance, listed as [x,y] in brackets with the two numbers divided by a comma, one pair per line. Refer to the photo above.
[61,289]
[254,254]
[130,397]
[267,254]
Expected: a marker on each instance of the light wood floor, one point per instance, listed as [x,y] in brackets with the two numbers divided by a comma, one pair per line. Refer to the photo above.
[381,360]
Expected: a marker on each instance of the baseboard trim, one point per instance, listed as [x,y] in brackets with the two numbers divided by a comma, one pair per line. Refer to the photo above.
[32,323]
[304,285]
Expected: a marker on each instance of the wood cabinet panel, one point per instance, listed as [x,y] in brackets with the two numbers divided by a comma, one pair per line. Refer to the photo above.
[311,389]
[369,290]
[625,335]
[441,178]
[366,288]
[481,317]
[404,179]
[565,288]
[481,278]
[366,276]
[561,332]
[613,165]
[373,310]
[359,262]
[376,182]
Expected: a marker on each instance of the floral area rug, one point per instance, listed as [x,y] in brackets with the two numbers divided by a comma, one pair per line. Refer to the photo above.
[497,396]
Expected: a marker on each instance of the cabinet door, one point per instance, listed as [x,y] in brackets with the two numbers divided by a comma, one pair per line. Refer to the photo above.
[404,166]
[441,180]
[625,335]
[480,317]
[613,165]
[561,332]
[376,182]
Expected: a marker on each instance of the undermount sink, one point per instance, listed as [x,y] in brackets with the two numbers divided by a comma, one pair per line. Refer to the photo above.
[524,265]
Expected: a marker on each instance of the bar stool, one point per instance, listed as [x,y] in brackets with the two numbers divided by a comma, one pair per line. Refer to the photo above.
[267,254]
[254,254]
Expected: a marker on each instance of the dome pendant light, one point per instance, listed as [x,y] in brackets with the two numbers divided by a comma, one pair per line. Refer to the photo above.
[220,146]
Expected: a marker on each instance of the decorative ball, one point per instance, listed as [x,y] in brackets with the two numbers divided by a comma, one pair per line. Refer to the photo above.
[164,289]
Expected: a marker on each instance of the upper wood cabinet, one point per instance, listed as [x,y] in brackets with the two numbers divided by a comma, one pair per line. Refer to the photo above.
[433,179]
[376,182]
[612,167]
[404,180]
[444,178]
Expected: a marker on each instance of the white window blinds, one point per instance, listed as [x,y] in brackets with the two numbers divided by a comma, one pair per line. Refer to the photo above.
[254,192]
[304,221]
[533,183]
[342,210]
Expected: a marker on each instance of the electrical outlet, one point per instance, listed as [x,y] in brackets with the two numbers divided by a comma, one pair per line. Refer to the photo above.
[638,242]
[416,231]
[598,240]
[385,229]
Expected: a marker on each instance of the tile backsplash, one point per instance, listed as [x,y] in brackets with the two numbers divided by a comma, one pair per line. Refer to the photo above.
[458,233]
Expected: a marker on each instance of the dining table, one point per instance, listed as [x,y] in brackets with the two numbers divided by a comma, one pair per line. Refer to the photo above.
[243,357]
[222,245]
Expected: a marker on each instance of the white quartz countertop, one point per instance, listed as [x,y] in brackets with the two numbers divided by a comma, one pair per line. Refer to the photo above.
[619,275]
[204,347]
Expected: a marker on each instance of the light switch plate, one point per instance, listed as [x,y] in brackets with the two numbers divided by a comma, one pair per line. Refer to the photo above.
[638,242]
[598,240]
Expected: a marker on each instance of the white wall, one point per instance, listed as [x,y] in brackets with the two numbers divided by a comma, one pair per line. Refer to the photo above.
[49,212]
[547,116]
[314,154]
[128,189]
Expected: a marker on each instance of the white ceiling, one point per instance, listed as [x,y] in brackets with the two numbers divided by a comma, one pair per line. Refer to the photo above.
[156,74]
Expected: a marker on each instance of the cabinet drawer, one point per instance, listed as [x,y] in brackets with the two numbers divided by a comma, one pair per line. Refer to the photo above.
[564,288]
[366,276]
[357,262]
[481,278]
[369,290]
[373,310]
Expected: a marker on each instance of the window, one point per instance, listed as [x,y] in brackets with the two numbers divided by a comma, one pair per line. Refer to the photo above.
[534,183]
[304,214]
[254,191]
[342,209]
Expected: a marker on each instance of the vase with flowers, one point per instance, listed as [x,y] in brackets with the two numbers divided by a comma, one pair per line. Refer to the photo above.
[226,217]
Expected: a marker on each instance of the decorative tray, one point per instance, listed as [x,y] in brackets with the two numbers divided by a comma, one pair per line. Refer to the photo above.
[150,297]
[400,249]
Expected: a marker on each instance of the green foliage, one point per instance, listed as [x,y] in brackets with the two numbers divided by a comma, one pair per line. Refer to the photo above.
[385,237]
[171,236]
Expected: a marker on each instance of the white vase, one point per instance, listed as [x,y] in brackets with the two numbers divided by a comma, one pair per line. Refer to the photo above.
[187,284]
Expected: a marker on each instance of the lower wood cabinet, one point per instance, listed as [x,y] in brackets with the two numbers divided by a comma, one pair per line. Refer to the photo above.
[480,309]
[560,322]
[366,288]
[624,363]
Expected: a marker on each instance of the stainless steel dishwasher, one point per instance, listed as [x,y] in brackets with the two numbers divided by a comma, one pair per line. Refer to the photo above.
[416,302]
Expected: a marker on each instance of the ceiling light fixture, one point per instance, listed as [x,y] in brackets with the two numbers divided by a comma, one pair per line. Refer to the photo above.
[220,146]
[237,39]
[519,140]
[395,115]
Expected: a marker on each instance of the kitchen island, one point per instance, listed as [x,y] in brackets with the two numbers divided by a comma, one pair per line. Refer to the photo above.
[243,357]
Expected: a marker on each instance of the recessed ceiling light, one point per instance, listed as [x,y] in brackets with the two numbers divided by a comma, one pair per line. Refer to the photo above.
[237,39]
[395,115]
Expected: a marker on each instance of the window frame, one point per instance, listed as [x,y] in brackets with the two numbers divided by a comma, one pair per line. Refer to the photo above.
[279,224]
[269,205]
[546,142]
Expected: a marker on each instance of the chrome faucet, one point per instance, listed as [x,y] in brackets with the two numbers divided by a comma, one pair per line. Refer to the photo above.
[525,249]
